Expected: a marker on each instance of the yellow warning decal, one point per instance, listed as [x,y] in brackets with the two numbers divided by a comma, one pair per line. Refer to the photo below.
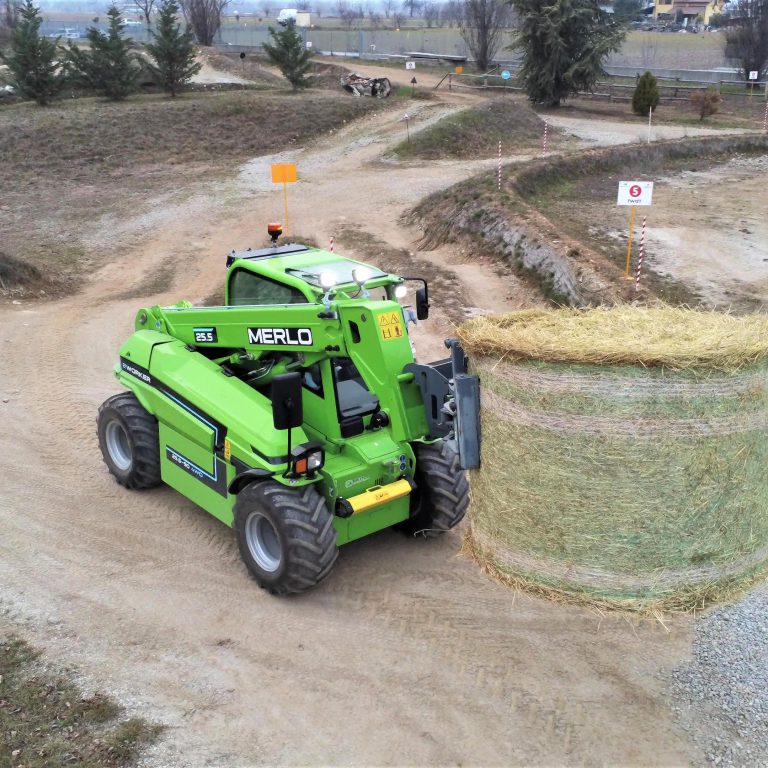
[227,449]
[391,326]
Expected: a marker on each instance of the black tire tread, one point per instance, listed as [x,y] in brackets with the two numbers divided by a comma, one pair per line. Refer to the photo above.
[443,488]
[311,537]
[143,432]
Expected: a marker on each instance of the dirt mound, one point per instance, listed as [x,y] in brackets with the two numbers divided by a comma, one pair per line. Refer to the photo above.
[15,273]
[476,132]
[20,278]
[252,67]
[327,75]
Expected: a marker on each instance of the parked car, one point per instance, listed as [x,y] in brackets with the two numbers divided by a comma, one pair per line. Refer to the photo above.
[67,33]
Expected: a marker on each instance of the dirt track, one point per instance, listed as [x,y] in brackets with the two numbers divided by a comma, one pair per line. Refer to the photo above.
[406,655]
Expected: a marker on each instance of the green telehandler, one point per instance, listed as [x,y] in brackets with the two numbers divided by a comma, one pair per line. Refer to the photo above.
[296,413]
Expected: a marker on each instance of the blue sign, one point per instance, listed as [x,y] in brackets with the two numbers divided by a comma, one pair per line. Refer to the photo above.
[505,74]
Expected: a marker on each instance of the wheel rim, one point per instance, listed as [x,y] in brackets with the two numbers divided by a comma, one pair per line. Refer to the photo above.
[118,445]
[263,542]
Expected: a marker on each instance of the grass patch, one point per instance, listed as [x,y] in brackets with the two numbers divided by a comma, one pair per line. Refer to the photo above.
[45,720]
[476,132]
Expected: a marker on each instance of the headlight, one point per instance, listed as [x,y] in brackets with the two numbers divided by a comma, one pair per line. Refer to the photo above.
[307,459]
[361,274]
[400,291]
[327,280]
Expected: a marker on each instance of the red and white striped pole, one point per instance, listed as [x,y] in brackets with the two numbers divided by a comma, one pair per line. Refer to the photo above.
[765,119]
[330,247]
[641,255]
[499,176]
[544,145]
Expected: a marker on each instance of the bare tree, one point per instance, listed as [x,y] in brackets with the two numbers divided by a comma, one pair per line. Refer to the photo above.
[412,6]
[388,6]
[266,9]
[481,26]
[146,7]
[747,38]
[431,12]
[348,17]
[398,18]
[204,16]
[451,13]
[9,17]
[303,5]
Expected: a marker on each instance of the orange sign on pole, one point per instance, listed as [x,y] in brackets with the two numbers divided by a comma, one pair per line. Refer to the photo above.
[459,70]
[284,173]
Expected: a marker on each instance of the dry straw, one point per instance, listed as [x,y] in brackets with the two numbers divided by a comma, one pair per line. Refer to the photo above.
[624,453]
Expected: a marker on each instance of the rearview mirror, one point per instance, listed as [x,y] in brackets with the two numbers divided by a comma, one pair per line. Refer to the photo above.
[287,410]
[422,303]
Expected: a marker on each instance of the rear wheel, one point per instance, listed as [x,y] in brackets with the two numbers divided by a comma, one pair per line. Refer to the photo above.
[285,535]
[129,441]
[441,497]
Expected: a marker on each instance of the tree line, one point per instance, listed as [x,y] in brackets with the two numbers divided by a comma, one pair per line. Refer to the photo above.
[563,45]
[41,67]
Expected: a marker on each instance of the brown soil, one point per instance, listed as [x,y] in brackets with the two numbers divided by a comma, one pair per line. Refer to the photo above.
[407,654]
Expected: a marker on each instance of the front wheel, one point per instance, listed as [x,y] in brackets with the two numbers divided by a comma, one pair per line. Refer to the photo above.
[285,535]
[441,497]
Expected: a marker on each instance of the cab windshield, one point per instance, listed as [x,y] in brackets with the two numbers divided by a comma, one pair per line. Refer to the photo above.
[354,397]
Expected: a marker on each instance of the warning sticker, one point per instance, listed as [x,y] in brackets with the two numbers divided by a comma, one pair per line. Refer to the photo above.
[391,326]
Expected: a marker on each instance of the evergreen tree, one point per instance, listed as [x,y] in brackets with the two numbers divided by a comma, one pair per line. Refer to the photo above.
[288,53]
[110,66]
[172,50]
[564,44]
[33,62]
[646,95]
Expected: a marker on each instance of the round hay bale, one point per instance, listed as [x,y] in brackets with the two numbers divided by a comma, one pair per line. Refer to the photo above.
[624,453]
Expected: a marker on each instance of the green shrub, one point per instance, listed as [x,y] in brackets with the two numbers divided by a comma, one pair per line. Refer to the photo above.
[646,95]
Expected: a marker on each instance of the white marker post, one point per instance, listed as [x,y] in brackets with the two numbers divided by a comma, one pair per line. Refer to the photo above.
[650,122]
[641,254]
[544,143]
[765,119]
[499,177]
[634,193]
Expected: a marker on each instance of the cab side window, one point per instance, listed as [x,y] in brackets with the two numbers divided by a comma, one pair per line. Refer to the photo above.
[247,288]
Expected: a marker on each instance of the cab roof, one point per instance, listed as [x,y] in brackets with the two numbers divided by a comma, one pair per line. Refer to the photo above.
[303,263]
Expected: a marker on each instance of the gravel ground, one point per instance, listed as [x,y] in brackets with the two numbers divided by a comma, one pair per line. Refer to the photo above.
[721,695]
